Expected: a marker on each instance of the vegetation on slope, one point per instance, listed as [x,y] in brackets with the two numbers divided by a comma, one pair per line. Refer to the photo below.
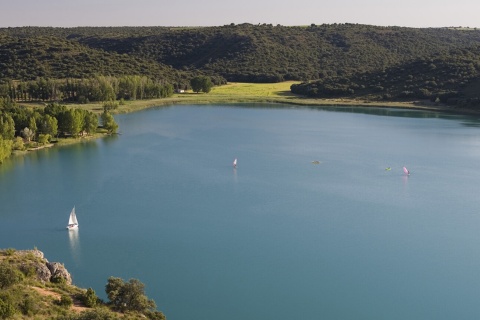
[29,290]
[332,60]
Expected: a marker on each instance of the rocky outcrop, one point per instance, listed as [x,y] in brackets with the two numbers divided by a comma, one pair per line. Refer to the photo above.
[59,273]
[32,262]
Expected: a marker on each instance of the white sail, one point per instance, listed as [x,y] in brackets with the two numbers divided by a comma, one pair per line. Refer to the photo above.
[235,162]
[72,220]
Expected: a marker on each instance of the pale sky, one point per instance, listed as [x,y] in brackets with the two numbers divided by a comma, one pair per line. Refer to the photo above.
[73,13]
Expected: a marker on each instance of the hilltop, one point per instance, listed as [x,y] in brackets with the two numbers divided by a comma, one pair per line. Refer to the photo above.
[332,60]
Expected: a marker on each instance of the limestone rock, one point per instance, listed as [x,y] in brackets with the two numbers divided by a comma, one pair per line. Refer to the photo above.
[58,271]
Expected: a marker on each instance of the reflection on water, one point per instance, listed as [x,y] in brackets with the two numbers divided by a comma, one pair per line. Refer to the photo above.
[74,240]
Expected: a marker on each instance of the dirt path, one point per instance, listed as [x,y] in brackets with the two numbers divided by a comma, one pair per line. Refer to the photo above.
[77,304]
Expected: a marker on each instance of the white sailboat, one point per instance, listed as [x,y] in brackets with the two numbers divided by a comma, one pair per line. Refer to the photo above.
[235,163]
[72,220]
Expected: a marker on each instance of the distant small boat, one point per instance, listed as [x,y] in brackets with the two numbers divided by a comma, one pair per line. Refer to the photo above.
[72,220]
[388,168]
[316,162]
[406,171]
[235,163]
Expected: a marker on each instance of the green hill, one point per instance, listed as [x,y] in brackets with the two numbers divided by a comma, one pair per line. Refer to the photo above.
[334,59]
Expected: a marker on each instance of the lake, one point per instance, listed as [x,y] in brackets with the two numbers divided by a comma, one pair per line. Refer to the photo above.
[280,236]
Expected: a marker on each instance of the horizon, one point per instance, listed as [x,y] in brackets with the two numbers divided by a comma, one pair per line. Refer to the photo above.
[211,13]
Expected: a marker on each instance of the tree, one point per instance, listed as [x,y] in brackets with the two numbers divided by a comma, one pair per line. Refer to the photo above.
[54,109]
[71,121]
[90,122]
[109,122]
[5,148]
[18,144]
[128,296]
[44,138]
[7,126]
[32,125]
[49,125]
[206,84]
[90,298]
[27,134]
[196,84]
[203,84]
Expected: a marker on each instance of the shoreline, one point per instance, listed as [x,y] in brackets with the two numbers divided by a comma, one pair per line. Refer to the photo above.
[234,93]
[300,102]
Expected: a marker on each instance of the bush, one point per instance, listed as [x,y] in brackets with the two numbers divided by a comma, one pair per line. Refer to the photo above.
[44,138]
[65,301]
[9,275]
[18,144]
[29,306]
[90,298]
[7,309]
[110,105]
[128,296]
[9,251]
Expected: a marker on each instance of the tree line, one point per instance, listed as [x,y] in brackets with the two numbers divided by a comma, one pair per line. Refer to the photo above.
[98,88]
[21,127]
[331,59]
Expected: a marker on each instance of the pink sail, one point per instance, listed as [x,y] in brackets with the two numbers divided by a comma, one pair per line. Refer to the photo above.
[406,170]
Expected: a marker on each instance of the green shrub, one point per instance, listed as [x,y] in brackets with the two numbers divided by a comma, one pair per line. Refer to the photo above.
[7,309]
[90,298]
[9,275]
[110,105]
[58,280]
[10,251]
[65,301]
[29,306]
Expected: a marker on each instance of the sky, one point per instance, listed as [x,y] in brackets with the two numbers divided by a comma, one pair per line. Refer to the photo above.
[74,13]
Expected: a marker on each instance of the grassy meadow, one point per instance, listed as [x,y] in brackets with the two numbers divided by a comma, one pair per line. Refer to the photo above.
[236,92]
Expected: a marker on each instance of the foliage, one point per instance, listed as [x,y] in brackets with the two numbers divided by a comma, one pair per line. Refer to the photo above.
[110,105]
[5,148]
[27,134]
[111,63]
[109,123]
[25,298]
[95,314]
[9,275]
[7,309]
[10,251]
[65,301]
[29,305]
[128,295]
[203,84]
[48,125]
[18,144]
[44,138]
[90,298]
[7,126]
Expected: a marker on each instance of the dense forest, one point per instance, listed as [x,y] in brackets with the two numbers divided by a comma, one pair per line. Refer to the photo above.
[387,63]
[348,60]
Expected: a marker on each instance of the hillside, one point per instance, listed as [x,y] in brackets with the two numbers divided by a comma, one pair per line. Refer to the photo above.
[31,287]
[339,59]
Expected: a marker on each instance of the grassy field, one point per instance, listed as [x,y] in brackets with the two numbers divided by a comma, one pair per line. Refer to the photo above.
[253,92]
[247,93]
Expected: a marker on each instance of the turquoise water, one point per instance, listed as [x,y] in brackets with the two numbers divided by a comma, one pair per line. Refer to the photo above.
[277,237]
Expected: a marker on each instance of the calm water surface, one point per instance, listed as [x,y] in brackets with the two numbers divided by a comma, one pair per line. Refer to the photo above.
[277,238]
